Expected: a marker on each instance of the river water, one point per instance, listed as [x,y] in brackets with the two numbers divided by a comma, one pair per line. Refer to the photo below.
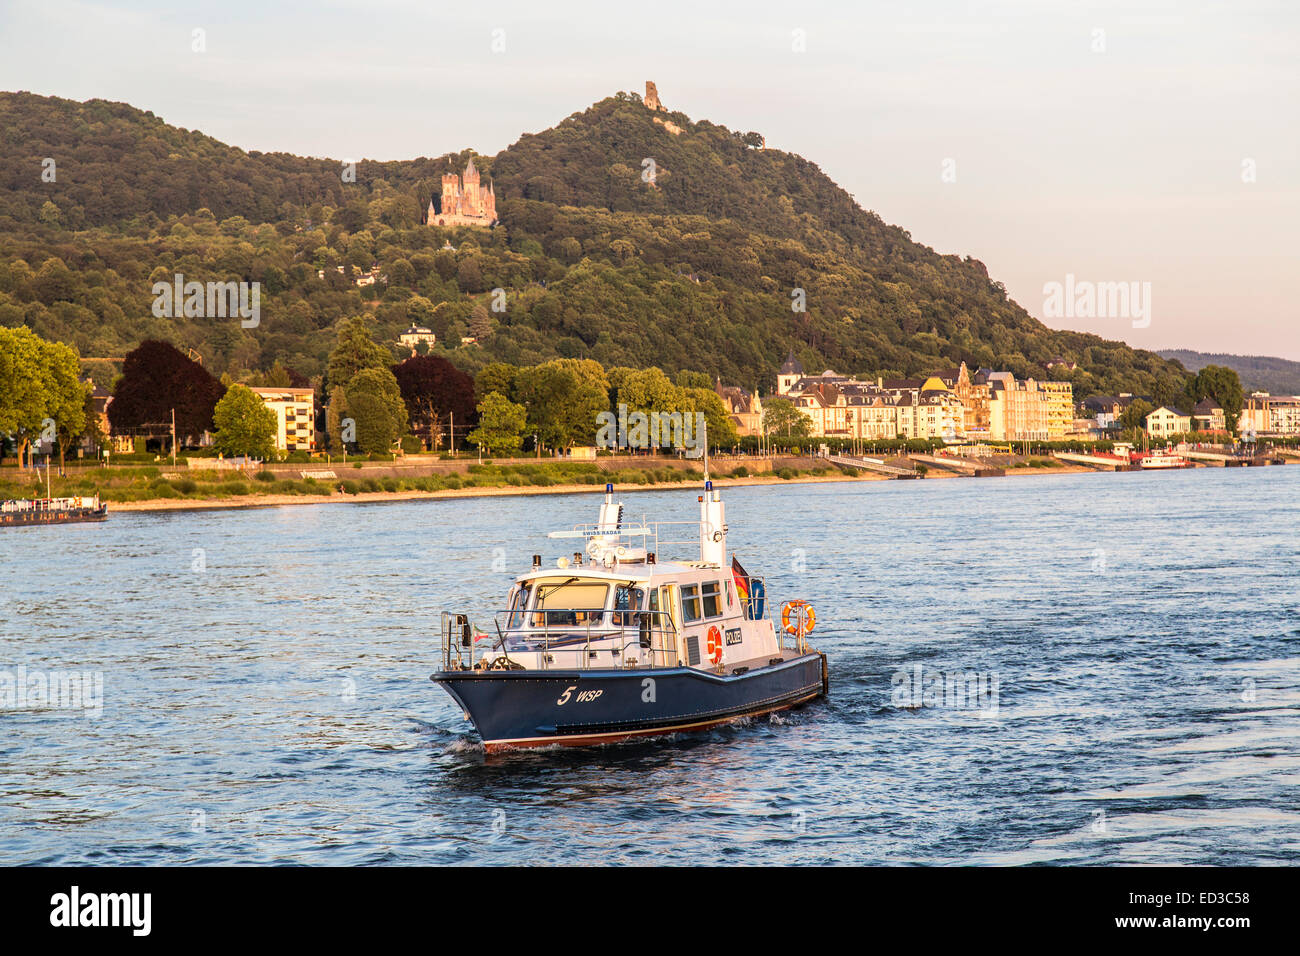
[265,692]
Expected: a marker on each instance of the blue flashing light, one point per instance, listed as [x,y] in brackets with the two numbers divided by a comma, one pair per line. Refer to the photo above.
[708,486]
[609,487]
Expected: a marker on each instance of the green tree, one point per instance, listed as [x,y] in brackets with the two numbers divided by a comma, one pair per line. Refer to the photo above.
[687,379]
[721,429]
[277,376]
[401,274]
[245,425]
[41,394]
[469,275]
[643,390]
[356,350]
[335,413]
[562,402]
[480,322]
[1168,390]
[1134,418]
[1224,386]
[496,377]
[375,405]
[782,417]
[500,425]
[24,391]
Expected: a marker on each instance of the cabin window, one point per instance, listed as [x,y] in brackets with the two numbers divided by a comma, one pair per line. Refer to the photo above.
[518,604]
[712,599]
[690,603]
[627,601]
[571,604]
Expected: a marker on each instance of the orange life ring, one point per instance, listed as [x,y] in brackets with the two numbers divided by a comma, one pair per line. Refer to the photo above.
[809,615]
[713,643]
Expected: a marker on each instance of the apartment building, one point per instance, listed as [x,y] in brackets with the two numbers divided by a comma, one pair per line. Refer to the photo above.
[1265,414]
[295,414]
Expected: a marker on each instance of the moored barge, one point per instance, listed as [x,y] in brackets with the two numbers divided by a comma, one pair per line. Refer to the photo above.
[25,511]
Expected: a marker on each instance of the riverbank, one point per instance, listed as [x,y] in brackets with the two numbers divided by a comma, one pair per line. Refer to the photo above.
[489,491]
[149,490]
[373,497]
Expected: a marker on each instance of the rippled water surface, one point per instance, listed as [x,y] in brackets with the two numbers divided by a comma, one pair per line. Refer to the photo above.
[266,694]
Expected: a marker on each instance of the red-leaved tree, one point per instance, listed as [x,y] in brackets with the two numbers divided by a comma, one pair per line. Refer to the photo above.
[157,378]
[433,390]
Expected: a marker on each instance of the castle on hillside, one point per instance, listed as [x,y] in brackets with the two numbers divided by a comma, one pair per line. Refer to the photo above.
[651,99]
[465,205]
[653,104]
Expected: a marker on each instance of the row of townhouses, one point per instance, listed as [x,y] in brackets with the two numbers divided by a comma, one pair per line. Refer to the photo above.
[951,403]
[1262,415]
[986,405]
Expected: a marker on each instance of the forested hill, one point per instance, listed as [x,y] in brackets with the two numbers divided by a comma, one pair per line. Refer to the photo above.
[603,156]
[114,163]
[1264,373]
[695,267]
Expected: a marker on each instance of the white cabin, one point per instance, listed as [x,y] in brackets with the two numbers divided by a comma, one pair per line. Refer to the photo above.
[614,604]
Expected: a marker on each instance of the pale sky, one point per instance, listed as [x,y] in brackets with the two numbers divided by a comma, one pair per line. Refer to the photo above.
[1111,141]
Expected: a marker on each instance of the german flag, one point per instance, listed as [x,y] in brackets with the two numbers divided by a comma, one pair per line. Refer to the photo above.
[741,577]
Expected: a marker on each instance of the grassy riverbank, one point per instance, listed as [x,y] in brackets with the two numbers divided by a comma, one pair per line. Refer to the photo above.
[478,491]
[143,487]
[157,488]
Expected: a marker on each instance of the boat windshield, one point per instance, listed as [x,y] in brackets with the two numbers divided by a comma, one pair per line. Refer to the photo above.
[627,600]
[522,594]
[572,603]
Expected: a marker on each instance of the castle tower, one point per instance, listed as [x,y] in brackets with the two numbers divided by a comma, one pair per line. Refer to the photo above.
[450,194]
[472,204]
[651,100]
[788,376]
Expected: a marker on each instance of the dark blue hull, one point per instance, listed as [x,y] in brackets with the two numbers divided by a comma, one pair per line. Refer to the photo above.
[583,707]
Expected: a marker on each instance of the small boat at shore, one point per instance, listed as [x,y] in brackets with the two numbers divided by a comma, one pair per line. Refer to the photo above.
[614,644]
[1156,459]
[25,511]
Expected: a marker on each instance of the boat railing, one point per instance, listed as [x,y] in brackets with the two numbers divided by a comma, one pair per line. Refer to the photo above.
[49,504]
[568,638]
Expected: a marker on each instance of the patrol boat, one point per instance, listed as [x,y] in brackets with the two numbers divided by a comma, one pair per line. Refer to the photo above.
[614,643]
